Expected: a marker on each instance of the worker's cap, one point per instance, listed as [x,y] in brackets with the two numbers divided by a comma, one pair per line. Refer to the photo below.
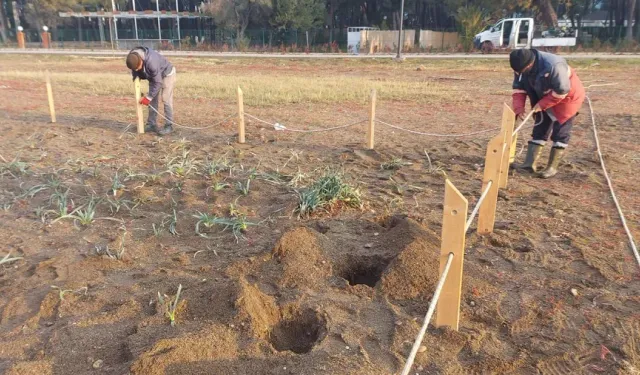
[520,59]
[133,60]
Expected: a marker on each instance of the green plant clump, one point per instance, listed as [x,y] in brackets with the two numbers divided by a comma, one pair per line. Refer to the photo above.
[325,193]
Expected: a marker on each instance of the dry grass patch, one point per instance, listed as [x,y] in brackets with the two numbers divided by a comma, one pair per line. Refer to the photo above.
[258,89]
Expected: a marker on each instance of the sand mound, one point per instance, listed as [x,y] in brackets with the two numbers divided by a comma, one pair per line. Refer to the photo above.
[30,368]
[414,271]
[257,308]
[213,342]
[300,253]
[290,329]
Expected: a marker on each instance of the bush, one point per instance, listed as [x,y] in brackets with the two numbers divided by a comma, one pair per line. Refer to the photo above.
[242,43]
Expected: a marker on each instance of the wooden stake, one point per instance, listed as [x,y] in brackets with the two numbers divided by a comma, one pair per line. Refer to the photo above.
[508,121]
[454,217]
[136,86]
[52,108]
[492,165]
[240,116]
[512,151]
[372,121]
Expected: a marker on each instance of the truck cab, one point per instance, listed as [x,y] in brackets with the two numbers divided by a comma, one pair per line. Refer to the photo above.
[506,33]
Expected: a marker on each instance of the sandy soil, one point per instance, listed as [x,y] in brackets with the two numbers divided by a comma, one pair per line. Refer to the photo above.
[341,292]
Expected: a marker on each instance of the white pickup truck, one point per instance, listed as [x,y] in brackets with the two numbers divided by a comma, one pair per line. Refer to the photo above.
[520,33]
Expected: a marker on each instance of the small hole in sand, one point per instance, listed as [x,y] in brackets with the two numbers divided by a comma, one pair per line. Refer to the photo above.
[298,333]
[364,270]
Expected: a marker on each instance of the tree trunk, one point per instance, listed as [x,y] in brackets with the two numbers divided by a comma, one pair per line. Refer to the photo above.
[585,10]
[637,25]
[630,14]
[621,8]
[4,21]
[548,13]
[610,33]
[330,14]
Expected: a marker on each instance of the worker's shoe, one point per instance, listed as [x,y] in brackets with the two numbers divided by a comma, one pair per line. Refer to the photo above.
[534,150]
[555,158]
[150,128]
[168,129]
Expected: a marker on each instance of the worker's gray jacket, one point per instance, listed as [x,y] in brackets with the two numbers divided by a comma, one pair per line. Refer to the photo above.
[154,68]
[550,75]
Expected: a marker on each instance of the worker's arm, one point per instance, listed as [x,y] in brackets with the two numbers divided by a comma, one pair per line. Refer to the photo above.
[560,86]
[519,96]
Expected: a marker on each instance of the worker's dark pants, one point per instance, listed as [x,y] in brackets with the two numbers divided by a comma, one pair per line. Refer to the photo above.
[546,126]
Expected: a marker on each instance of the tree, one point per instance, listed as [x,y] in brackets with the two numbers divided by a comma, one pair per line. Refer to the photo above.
[40,13]
[298,14]
[637,25]
[471,20]
[237,14]
[630,14]
[547,12]
[576,10]
[3,24]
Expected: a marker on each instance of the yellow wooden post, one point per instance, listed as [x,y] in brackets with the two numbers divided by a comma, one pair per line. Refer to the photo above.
[136,86]
[240,117]
[52,108]
[492,165]
[508,121]
[454,217]
[372,121]
[512,153]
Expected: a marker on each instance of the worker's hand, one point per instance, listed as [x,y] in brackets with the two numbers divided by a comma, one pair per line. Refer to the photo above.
[145,100]
[536,109]
[520,116]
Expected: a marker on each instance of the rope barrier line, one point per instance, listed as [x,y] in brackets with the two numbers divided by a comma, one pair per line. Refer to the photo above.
[477,207]
[427,318]
[280,127]
[189,127]
[522,123]
[613,194]
[436,134]
[260,120]
[601,85]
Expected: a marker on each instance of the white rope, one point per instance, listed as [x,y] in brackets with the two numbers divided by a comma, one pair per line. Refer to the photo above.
[260,120]
[542,119]
[522,123]
[427,318]
[189,127]
[477,207]
[600,85]
[280,127]
[436,134]
[613,194]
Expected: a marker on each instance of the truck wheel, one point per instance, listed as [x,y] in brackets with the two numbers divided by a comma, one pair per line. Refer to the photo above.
[486,47]
[554,49]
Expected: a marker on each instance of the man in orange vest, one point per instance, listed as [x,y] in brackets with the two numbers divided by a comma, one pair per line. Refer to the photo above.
[556,95]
